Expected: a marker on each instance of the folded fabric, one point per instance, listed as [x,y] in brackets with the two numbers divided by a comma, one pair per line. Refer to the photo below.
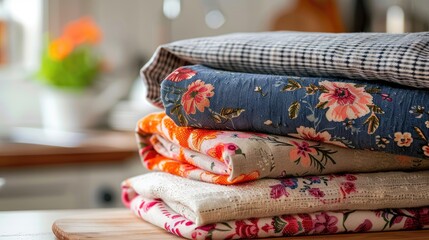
[227,157]
[158,213]
[348,113]
[400,58]
[205,203]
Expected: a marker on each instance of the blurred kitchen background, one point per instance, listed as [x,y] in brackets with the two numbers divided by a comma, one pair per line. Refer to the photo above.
[50,161]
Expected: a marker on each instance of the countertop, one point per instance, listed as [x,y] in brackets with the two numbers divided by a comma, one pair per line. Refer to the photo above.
[65,148]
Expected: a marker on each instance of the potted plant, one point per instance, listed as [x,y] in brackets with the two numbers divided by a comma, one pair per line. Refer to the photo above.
[69,68]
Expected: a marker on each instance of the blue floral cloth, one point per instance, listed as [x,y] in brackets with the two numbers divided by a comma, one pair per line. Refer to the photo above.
[348,113]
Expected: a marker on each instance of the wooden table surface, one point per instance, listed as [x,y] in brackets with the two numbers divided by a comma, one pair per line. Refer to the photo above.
[38,225]
[95,146]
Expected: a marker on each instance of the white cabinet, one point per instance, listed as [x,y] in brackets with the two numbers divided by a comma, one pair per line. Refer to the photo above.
[65,186]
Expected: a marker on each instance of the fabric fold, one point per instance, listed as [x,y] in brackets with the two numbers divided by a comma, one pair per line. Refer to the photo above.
[349,113]
[228,157]
[156,212]
[399,58]
[205,203]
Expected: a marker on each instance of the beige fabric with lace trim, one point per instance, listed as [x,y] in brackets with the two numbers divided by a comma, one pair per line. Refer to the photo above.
[205,203]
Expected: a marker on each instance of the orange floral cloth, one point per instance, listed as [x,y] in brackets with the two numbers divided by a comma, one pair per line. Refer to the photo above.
[229,157]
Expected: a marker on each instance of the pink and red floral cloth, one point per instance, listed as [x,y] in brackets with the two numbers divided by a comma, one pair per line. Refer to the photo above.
[160,212]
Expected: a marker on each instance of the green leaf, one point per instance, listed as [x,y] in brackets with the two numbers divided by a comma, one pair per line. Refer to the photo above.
[142,145]
[373,90]
[230,113]
[420,133]
[217,118]
[175,110]
[226,224]
[292,85]
[278,224]
[300,227]
[321,105]
[311,89]
[376,109]
[373,123]
[392,221]
[294,110]
[212,165]
[182,120]
[323,89]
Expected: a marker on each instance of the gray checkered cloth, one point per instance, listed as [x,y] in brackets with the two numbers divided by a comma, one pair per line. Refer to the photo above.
[399,58]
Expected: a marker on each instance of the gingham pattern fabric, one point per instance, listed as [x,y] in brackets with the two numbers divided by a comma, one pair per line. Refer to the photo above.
[399,58]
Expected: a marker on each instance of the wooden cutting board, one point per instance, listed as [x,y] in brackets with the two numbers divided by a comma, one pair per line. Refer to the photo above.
[108,225]
[125,225]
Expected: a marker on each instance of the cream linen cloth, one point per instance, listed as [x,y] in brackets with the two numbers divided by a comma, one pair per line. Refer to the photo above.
[205,203]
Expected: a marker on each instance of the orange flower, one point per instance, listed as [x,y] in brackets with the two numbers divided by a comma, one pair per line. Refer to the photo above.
[83,30]
[217,152]
[60,48]
[403,139]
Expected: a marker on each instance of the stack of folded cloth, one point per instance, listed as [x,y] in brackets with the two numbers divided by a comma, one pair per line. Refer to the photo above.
[281,134]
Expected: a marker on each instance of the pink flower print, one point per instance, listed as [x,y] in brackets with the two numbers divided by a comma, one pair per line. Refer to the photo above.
[344,100]
[348,187]
[313,179]
[365,226]
[181,74]
[292,226]
[386,97]
[403,139]
[307,222]
[267,227]
[325,224]
[196,97]
[426,150]
[316,192]
[247,230]
[146,206]
[207,228]
[420,219]
[310,134]
[302,151]
[291,183]
[350,177]
[277,191]
[232,149]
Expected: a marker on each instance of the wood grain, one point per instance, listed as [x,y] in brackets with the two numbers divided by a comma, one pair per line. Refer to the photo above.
[124,225]
[113,225]
[99,147]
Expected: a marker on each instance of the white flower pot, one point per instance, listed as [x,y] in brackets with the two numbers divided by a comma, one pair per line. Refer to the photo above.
[68,110]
